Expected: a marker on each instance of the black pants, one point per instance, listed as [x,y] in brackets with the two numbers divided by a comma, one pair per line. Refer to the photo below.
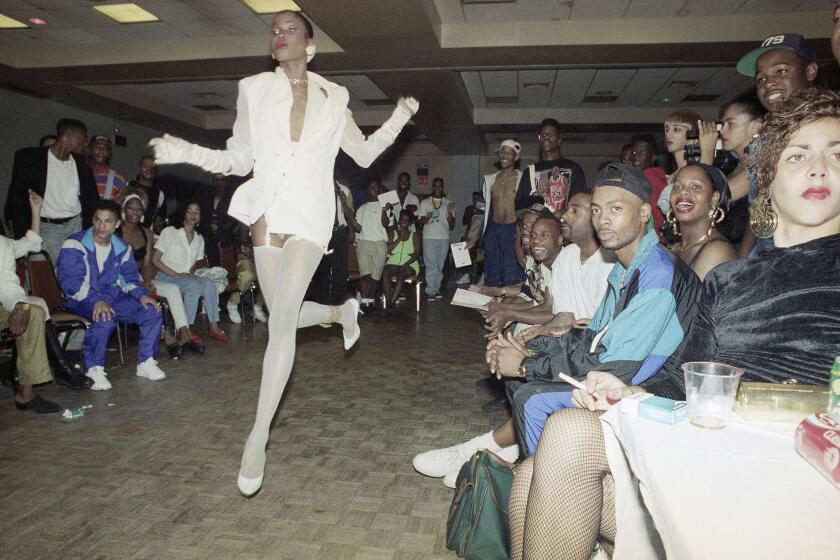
[329,284]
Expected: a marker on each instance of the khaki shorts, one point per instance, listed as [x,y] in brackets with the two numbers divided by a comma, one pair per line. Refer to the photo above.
[371,256]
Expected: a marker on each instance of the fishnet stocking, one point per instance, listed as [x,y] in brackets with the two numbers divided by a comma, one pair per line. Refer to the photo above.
[568,491]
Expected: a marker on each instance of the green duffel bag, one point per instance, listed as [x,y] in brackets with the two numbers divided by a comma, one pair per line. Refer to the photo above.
[477,527]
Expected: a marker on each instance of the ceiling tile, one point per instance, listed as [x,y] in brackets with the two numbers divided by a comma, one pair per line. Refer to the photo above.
[812,5]
[653,8]
[535,87]
[53,21]
[138,32]
[598,9]
[243,25]
[361,86]
[613,80]
[710,7]
[220,9]
[570,87]
[764,6]
[502,83]
[643,85]
[83,17]
[72,35]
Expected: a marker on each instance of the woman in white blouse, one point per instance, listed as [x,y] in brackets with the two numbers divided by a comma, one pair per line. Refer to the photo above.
[289,126]
[176,257]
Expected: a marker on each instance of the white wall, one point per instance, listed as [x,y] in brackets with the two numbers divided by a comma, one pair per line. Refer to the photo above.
[26,119]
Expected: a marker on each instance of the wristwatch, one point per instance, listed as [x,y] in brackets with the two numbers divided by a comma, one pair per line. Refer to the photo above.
[520,371]
[22,305]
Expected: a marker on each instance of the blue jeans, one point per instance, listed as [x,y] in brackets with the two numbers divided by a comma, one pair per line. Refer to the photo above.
[193,288]
[434,256]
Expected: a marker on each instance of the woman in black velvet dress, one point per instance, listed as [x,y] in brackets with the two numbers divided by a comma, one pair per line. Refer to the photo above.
[776,316]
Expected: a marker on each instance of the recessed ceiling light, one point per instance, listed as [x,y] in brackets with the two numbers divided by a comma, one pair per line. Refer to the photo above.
[271,6]
[666,99]
[36,21]
[126,13]
[8,23]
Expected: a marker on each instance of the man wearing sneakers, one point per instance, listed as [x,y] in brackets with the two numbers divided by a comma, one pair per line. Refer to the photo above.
[437,215]
[97,273]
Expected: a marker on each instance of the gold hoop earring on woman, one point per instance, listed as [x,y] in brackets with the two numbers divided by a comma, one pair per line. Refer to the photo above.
[763,219]
[671,218]
[716,216]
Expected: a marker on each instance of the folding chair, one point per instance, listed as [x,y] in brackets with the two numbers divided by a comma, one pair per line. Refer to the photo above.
[44,284]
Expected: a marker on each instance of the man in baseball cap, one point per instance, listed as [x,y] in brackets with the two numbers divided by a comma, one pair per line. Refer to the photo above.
[782,65]
[109,182]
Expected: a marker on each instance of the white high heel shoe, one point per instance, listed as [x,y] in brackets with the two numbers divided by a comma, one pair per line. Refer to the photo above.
[350,340]
[249,486]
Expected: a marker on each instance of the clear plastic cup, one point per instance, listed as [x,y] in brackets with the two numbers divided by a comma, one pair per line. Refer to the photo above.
[710,391]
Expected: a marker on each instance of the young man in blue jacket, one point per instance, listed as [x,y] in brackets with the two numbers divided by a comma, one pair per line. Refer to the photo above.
[646,312]
[98,275]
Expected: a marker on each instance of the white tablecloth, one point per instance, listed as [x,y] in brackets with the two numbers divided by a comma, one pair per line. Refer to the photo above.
[740,492]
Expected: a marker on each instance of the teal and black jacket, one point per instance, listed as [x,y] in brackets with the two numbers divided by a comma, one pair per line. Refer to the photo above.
[641,321]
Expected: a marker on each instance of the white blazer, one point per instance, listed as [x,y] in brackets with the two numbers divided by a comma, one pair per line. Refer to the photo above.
[487,191]
[293,181]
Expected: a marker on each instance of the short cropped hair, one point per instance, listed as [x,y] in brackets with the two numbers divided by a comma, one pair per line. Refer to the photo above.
[553,123]
[108,205]
[70,125]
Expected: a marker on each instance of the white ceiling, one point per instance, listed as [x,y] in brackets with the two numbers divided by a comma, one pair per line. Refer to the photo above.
[456,11]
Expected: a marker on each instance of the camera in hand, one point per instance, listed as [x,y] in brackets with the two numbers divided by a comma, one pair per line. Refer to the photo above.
[723,159]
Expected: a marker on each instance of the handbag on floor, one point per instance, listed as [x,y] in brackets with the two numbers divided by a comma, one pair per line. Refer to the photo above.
[477,527]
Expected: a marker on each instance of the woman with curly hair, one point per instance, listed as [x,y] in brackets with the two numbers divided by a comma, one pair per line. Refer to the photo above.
[777,317]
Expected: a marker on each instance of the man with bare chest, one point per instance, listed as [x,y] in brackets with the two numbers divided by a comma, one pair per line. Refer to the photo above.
[500,265]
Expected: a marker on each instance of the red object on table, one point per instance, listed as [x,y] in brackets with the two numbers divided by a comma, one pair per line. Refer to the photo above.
[818,441]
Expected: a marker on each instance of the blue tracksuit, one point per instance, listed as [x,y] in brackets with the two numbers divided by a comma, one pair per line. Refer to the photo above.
[118,284]
[640,323]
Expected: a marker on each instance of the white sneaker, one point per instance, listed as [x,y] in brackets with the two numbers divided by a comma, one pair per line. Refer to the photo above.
[100,378]
[150,370]
[259,314]
[440,462]
[509,454]
[233,314]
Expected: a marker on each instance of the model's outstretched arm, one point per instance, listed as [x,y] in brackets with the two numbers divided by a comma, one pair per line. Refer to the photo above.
[365,150]
[236,159]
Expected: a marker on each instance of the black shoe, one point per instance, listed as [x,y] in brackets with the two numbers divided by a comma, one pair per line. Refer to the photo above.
[193,347]
[175,350]
[495,405]
[488,382]
[72,379]
[39,405]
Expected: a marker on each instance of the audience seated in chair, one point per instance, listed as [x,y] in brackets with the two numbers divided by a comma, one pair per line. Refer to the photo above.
[141,241]
[403,262]
[642,319]
[177,256]
[98,275]
[245,274]
[30,326]
[785,299]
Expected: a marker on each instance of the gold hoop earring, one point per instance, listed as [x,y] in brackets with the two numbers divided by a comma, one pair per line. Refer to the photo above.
[763,219]
[716,216]
[671,218]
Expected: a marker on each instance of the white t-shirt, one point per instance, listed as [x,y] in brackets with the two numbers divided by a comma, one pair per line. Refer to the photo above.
[369,216]
[61,196]
[438,226]
[179,254]
[410,199]
[102,254]
[579,287]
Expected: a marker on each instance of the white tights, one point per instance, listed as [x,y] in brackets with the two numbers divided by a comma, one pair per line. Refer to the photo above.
[284,275]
